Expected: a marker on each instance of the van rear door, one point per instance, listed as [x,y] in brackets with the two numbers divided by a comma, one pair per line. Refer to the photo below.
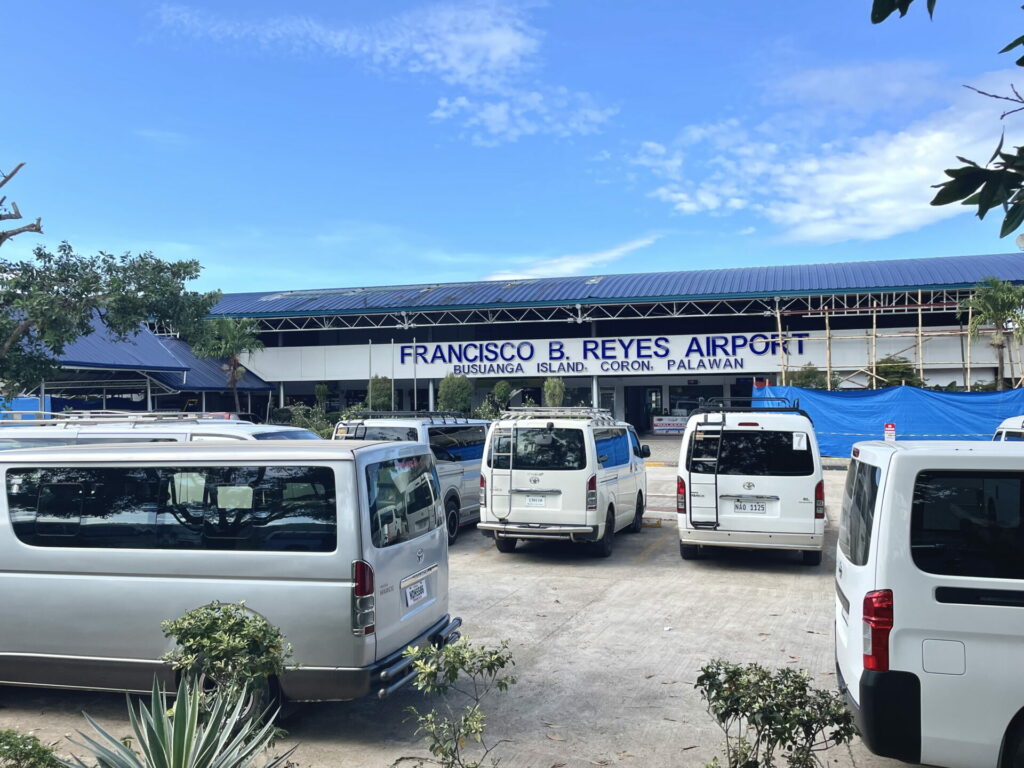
[406,544]
[548,475]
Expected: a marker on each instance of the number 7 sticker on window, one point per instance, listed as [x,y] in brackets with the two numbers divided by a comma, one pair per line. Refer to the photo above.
[799,441]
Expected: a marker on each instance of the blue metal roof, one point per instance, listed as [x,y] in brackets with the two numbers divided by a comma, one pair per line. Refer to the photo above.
[142,352]
[202,374]
[845,277]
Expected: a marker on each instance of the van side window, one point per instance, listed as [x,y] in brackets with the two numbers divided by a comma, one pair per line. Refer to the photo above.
[968,523]
[612,442]
[261,509]
[858,513]
[402,495]
[1013,435]
[634,444]
[499,452]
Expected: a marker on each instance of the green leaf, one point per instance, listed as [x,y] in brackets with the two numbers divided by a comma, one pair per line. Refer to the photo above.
[1014,44]
[963,183]
[1013,219]
[931,8]
[881,10]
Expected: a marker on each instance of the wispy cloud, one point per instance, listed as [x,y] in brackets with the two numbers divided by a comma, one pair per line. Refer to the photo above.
[573,264]
[823,186]
[162,137]
[486,50]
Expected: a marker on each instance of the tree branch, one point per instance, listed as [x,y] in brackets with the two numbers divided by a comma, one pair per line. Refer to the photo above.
[5,177]
[1015,99]
[14,214]
[36,226]
[16,334]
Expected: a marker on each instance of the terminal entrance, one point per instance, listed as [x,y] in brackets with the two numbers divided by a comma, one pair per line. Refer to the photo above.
[641,404]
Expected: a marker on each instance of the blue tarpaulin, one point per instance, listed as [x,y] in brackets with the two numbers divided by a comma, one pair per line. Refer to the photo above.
[843,417]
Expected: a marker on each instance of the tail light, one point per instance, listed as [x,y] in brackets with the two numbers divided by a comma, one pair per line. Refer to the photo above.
[680,495]
[877,626]
[819,500]
[363,607]
[483,492]
[592,493]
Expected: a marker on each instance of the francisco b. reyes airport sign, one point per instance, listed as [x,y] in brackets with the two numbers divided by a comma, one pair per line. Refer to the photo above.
[603,356]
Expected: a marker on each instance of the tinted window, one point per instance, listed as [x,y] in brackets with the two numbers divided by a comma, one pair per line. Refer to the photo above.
[287,434]
[613,443]
[404,434]
[12,443]
[858,515]
[402,495]
[458,443]
[634,443]
[549,449]
[1012,435]
[500,449]
[751,453]
[268,509]
[968,524]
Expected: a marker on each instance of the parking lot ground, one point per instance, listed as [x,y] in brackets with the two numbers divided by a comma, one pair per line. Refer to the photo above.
[606,652]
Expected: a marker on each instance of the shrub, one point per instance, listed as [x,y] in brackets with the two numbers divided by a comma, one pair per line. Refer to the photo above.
[184,738]
[379,394]
[313,418]
[281,416]
[554,392]
[502,393]
[763,712]
[22,750]
[455,393]
[467,674]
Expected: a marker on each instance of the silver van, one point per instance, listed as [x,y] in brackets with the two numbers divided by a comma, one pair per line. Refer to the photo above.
[342,546]
[456,442]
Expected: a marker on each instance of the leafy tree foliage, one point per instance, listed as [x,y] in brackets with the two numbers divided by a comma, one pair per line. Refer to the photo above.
[228,338]
[54,298]
[502,393]
[380,398]
[894,371]
[554,392]
[22,750]
[810,377]
[1000,182]
[1000,304]
[455,393]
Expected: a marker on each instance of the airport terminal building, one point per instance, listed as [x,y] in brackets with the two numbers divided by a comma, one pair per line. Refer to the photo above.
[643,345]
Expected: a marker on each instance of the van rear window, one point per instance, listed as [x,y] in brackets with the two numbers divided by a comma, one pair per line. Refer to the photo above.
[858,515]
[966,523]
[402,495]
[749,452]
[538,448]
[252,508]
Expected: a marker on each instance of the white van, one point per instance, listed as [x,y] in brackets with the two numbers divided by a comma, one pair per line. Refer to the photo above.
[341,546]
[575,474]
[456,442]
[750,478]
[1011,429]
[83,427]
[929,621]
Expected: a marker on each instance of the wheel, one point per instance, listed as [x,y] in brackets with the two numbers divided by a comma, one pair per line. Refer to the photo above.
[638,519]
[1013,745]
[690,551]
[812,557]
[603,546]
[505,545]
[453,517]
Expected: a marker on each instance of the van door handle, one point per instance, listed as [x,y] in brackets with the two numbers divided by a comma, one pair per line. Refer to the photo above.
[417,576]
[538,491]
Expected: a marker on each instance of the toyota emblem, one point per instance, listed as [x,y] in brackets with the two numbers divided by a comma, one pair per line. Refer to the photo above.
[419,555]
[748,486]
[535,480]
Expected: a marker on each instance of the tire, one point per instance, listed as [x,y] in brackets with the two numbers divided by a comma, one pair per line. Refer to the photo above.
[690,551]
[603,546]
[638,519]
[505,545]
[812,557]
[453,518]
[1013,745]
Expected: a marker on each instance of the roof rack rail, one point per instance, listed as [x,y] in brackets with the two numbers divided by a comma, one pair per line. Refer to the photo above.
[557,412]
[67,418]
[725,405]
[435,417]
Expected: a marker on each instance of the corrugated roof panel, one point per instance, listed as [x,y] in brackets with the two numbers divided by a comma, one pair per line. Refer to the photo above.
[142,352]
[202,374]
[952,271]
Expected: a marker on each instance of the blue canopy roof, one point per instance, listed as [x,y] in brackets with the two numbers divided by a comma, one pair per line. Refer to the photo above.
[846,277]
[202,374]
[142,352]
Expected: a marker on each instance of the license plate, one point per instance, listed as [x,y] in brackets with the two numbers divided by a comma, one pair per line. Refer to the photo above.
[416,592]
[535,501]
[750,507]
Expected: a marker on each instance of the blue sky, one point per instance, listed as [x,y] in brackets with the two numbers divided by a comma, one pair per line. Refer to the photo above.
[320,144]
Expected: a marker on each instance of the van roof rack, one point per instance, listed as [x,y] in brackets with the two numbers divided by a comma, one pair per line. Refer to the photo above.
[72,418]
[723,405]
[434,417]
[602,415]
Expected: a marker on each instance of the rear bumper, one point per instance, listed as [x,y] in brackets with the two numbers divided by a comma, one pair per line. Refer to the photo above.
[888,715]
[382,678]
[540,531]
[751,539]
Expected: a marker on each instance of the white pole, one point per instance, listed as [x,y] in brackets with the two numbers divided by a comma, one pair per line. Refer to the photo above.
[369,374]
[248,401]
[430,395]
[595,392]
[202,401]
[149,394]
[280,394]
[104,398]
[392,375]
[42,396]
[415,404]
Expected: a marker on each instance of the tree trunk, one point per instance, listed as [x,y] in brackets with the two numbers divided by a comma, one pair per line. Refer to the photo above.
[234,389]
[999,368]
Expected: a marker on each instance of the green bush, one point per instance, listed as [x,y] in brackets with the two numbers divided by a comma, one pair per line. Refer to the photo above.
[281,416]
[455,393]
[502,393]
[465,675]
[765,711]
[554,392]
[379,394]
[22,750]
[203,731]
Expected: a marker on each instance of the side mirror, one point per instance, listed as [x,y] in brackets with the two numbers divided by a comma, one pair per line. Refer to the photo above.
[645,451]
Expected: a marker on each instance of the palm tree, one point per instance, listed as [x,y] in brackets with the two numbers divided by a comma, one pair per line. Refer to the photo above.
[1000,304]
[229,338]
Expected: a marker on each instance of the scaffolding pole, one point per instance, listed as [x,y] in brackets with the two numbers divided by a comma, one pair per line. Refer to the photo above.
[920,340]
[970,317]
[828,352]
[874,349]
[782,344]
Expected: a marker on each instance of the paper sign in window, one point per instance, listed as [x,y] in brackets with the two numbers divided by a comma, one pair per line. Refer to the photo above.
[799,441]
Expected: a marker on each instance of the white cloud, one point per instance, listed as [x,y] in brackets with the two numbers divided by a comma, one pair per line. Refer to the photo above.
[841,187]
[486,49]
[573,264]
[661,160]
[161,137]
